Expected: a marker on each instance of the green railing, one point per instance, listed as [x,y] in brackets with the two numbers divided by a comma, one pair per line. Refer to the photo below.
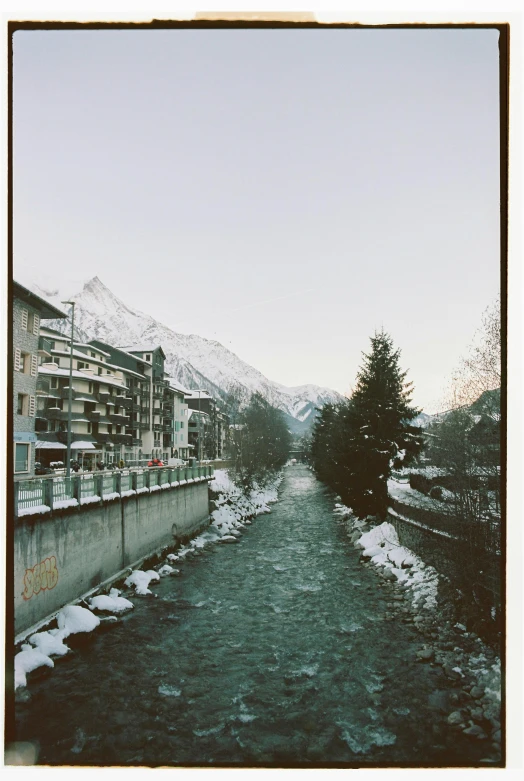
[54,493]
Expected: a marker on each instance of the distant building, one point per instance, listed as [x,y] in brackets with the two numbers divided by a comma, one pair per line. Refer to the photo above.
[218,439]
[28,347]
[180,420]
[156,414]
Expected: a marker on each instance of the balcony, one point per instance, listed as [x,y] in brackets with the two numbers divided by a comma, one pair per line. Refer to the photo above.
[136,442]
[64,392]
[54,413]
[42,385]
[103,397]
[123,439]
[118,418]
[144,426]
[158,394]
[94,417]
[104,438]
[167,426]
[40,424]
[157,427]
[45,347]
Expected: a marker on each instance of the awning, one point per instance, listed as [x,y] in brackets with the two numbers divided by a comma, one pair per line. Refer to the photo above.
[43,445]
[82,446]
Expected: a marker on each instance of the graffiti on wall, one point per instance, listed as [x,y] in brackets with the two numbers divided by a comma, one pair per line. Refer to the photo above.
[42,577]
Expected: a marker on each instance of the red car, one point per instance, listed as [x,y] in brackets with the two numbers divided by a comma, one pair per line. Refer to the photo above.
[155,462]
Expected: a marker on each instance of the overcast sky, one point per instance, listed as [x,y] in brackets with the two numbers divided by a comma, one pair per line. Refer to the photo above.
[285,192]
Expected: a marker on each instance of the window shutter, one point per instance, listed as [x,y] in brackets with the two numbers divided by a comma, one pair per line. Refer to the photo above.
[25,315]
[36,324]
[34,365]
[17,359]
[32,406]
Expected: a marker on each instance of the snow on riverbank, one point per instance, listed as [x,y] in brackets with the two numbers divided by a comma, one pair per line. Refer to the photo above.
[232,514]
[71,620]
[466,661]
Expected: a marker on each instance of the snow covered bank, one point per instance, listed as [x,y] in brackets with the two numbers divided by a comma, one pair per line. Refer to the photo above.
[72,619]
[232,514]
[469,665]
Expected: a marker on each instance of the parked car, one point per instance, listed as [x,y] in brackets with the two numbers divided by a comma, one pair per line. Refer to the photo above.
[155,462]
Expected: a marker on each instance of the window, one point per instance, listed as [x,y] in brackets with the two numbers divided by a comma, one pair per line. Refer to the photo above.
[33,323]
[54,382]
[92,354]
[80,365]
[89,428]
[23,404]
[99,370]
[181,424]
[90,387]
[21,457]
[148,357]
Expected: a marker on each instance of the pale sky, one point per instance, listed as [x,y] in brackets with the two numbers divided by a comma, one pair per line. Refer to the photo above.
[285,192]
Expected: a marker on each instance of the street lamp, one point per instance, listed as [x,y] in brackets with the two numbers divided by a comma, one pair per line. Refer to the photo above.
[68,464]
[200,434]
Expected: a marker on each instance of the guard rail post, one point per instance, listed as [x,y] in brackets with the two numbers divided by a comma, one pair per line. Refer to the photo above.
[48,493]
[77,488]
[16,493]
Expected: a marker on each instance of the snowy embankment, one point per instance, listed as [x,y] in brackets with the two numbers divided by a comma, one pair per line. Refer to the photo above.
[233,513]
[466,661]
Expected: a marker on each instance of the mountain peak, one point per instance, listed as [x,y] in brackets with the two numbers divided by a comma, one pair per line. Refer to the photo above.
[193,361]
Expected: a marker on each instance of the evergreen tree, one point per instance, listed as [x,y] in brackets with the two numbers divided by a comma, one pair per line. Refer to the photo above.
[356,443]
[378,428]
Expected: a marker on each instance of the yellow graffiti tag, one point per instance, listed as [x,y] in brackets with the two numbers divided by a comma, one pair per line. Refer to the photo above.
[42,577]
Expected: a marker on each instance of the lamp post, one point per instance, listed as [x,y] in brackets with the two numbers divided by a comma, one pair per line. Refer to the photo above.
[200,434]
[68,464]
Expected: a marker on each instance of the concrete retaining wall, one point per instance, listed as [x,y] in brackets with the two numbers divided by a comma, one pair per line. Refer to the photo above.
[60,557]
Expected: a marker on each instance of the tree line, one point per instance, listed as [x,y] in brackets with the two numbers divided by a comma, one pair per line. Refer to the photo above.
[259,440]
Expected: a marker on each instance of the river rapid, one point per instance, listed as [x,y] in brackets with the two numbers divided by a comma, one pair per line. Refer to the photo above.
[273,651]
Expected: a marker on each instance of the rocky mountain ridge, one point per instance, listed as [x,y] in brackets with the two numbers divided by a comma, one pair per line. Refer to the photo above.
[192,360]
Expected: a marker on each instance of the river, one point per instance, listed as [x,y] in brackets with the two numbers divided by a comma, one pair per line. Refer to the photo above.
[271,651]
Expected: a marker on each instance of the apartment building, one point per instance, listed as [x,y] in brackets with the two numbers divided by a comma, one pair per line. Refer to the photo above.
[29,346]
[100,421]
[218,438]
[180,420]
[157,401]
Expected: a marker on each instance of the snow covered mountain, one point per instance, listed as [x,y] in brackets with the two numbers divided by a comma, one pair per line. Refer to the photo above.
[192,360]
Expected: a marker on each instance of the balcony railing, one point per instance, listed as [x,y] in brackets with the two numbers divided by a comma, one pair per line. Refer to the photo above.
[41,495]
[64,392]
[53,413]
[44,346]
[42,385]
[118,417]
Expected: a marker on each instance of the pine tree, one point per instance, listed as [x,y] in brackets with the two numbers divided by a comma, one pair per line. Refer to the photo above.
[356,443]
[377,428]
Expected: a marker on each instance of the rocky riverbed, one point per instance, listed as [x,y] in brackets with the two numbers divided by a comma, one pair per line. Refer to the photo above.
[411,588]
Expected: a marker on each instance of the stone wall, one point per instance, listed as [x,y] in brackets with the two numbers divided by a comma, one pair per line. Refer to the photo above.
[465,565]
[60,557]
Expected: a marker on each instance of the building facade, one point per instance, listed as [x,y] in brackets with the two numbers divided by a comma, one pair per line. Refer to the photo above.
[29,347]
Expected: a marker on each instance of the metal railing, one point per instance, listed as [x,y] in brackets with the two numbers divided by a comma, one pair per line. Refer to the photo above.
[54,493]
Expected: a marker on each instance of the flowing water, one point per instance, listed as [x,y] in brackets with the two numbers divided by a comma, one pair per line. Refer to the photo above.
[271,651]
